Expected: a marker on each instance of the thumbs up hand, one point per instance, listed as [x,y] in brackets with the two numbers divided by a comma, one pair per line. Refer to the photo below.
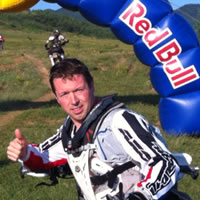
[17,148]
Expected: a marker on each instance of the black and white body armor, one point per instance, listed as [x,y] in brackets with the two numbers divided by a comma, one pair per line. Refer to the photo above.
[115,152]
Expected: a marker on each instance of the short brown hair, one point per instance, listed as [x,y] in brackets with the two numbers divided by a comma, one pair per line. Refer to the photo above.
[67,68]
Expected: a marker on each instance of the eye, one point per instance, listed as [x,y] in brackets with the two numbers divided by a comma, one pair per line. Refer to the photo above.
[79,90]
[63,94]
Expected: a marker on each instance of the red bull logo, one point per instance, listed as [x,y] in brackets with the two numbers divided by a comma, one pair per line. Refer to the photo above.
[167,54]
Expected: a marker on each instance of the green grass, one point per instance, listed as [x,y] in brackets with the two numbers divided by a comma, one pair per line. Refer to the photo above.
[115,69]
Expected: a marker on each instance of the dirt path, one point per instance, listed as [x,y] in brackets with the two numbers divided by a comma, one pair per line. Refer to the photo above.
[10,115]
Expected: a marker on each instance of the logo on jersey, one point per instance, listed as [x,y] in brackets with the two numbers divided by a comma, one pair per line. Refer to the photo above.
[166,172]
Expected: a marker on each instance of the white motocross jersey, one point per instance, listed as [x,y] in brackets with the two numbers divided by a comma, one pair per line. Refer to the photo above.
[122,137]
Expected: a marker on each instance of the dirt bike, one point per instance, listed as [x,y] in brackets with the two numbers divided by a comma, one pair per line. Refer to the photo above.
[184,160]
[57,57]
[56,52]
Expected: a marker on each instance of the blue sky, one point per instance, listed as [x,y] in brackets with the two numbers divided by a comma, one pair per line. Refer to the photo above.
[44,5]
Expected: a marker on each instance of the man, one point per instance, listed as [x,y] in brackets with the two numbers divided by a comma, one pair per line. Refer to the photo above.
[55,43]
[2,40]
[113,152]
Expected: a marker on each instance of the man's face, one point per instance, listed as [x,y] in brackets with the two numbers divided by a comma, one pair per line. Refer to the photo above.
[75,97]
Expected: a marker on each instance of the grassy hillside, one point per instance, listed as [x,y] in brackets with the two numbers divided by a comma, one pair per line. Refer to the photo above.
[39,21]
[192,13]
[74,14]
[26,101]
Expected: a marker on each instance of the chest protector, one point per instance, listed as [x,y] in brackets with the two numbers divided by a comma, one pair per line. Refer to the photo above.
[89,171]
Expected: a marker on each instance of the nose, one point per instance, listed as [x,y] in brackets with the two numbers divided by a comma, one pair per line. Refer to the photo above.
[74,99]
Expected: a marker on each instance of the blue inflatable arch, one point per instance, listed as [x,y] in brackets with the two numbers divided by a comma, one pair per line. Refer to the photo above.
[163,40]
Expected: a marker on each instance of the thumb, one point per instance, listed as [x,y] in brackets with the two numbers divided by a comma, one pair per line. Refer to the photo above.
[19,135]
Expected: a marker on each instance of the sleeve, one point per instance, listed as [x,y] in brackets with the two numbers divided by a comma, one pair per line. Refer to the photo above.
[48,154]
[157,166]
[63,39]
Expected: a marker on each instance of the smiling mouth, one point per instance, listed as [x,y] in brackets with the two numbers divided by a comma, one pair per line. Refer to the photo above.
[77,110]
